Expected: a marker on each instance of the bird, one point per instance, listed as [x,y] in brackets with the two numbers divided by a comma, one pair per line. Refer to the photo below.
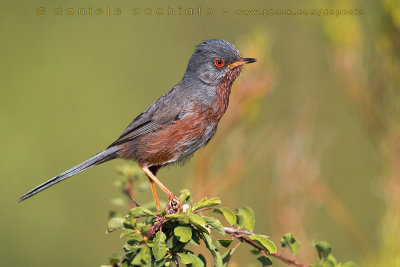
[176,125]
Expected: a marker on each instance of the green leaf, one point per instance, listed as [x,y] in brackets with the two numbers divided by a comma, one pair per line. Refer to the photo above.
[195,239]
[189,258]
[227,257]
[185,196]
[145,255]
[215,223]
[264,242]
[223,243]
[255,251]
[288,240]
[180,217]
[159,249]
[323,249]
[132,248]
[115,224]
[214,251]
[248,218]
[137,260]
[206,203]
[240,221]
[161,263]
[228,254]
[132,235]
[139,212]
[199,222]
[130,222]
[172,242]
[115,258]
[203,259]
[265,261]
[228,214]
[184,233]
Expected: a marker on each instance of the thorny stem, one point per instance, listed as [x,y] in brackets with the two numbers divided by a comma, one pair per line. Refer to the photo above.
[242,236]
[156,226]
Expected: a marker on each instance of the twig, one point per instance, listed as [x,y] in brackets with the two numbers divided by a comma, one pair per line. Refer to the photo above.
[232,230]
[129,190]
[134,201]
[286,260]
[156,226]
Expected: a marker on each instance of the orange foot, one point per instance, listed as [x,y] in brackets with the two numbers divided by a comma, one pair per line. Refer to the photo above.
[173,205]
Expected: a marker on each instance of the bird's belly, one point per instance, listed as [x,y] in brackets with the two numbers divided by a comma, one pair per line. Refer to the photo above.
[171,143]
[193,145]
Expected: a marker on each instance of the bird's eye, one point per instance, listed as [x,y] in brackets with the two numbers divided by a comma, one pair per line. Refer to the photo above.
[219,62]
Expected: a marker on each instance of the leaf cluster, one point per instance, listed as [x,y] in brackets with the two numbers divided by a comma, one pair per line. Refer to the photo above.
[155,238]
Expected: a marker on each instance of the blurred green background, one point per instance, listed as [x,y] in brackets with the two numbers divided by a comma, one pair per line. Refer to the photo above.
[314,149]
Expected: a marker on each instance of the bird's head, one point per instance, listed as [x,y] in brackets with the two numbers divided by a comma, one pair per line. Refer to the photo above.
[214,61]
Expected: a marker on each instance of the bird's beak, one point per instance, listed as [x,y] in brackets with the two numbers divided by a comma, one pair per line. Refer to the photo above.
[241,62]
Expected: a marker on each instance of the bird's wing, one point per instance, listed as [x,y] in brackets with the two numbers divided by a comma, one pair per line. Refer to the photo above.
[162,112]
[133,132]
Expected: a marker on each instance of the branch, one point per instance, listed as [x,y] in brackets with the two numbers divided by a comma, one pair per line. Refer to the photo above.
[286,260]
[242,236]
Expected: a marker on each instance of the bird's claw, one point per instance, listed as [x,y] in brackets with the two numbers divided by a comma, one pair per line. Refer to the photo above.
[173,205]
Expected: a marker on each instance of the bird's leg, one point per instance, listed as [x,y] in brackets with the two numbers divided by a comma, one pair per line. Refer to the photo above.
[153,190]
[174,204]
[158,182]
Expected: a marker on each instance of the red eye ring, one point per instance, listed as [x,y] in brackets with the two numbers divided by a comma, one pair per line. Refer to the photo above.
[219,62]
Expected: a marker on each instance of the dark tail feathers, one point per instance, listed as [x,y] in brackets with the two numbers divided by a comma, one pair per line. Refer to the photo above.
[106,155]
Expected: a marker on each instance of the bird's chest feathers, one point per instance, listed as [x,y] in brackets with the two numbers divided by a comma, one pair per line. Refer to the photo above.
[221,100]
[220,103]
[209,116]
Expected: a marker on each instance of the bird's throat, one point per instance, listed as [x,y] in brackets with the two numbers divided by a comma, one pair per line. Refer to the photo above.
[221,101]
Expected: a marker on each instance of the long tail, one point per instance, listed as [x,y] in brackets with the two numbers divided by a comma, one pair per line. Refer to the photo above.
[106,155]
